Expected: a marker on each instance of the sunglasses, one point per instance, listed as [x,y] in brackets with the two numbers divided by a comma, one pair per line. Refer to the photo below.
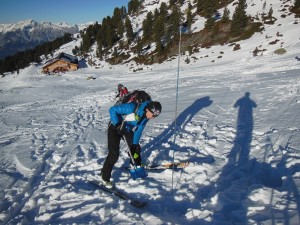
[155,112]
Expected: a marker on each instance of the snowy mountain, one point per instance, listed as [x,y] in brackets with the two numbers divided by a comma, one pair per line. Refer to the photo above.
[28,34]
[237,120]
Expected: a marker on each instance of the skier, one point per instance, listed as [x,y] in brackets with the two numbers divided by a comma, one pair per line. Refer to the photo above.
[126,121]
[122,90]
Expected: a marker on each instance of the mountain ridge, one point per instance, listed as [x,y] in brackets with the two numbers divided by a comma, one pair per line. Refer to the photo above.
[27,34]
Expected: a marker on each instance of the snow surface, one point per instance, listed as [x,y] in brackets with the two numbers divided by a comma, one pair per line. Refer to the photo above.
[237,124]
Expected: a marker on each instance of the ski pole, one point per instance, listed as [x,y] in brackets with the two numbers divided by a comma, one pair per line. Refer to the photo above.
[129,117]
[138,171]
[130,155]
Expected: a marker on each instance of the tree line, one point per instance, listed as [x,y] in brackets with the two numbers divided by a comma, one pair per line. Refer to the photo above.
[161,26]
[112,29]
[23,59]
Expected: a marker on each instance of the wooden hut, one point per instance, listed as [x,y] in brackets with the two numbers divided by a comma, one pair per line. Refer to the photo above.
[62,63]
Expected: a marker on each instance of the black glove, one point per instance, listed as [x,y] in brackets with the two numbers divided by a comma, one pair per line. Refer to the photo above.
[120,127]
[136,154]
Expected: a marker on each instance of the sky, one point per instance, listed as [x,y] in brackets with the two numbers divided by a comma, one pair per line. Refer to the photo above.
[56,11]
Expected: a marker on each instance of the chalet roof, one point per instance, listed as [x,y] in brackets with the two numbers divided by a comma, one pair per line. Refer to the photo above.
[62,56]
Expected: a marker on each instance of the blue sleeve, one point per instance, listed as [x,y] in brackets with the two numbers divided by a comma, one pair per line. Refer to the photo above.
[138,132]
[117,111]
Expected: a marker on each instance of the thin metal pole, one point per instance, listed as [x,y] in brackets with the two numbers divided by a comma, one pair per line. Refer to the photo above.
[176,107]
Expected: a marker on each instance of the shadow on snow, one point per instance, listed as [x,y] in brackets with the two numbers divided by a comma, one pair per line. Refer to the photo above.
[242,175]
[182,121]
[238,178]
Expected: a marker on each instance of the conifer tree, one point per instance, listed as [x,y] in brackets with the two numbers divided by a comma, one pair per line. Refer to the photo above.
[129,29]
[120,29]
[107,32]
[206,7]
[225,17]
[124,12]
[163,10]
[87,40]
[264,5]
[99,41]
[139,45]
[156,14]
[117,23]
[117,17]
[76,50]
[239,19]
[175,21]
[189,17]
[148,26]
[210,22]
[99,50]
[133,6]
[270,14]
[158,33]
[210,6]
[109,36]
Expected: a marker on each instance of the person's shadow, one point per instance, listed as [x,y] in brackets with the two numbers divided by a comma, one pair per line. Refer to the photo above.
[241,149]
[241,173]
[231,198]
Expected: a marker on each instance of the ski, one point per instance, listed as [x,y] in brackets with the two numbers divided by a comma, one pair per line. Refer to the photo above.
[175,165]
[122,195]
[163,166]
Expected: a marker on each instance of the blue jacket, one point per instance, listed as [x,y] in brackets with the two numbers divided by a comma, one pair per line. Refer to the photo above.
[118,112]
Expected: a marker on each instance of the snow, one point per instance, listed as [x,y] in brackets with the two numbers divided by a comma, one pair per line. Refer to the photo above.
[243,169]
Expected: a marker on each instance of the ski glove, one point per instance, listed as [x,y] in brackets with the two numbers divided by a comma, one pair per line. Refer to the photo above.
[135,150]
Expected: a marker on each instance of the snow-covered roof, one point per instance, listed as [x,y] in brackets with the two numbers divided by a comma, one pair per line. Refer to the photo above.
[62,56]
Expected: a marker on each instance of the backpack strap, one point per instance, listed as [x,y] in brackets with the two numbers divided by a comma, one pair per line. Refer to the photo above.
[140,117]
[137,107]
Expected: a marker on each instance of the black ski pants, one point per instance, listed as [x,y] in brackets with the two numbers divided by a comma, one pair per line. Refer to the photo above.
[114,140]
